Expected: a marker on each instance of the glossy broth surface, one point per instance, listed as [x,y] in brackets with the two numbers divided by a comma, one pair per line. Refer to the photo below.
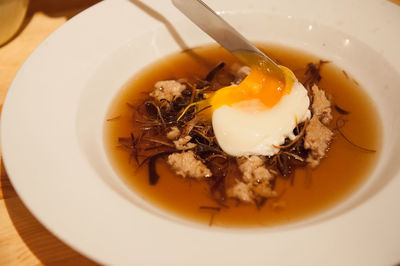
[312,190]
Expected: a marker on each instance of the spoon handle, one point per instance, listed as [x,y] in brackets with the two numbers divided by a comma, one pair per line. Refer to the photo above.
[229,38]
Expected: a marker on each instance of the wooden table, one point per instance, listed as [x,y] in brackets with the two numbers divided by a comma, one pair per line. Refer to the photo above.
[23,240]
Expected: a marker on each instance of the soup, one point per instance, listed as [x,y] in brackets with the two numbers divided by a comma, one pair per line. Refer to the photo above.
[306,192]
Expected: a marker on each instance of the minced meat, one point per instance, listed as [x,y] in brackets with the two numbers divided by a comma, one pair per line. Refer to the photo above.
[241,191]
[317,140]
[261,184]
[248,166]
[184,144]
[186,165]
[167,89]
[321,106]
[256,180]
[173,133]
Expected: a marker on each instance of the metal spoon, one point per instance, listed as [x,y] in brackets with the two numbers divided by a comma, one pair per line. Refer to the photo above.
[229,38]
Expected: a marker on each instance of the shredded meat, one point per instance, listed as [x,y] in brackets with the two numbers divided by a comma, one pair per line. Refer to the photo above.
[167,89]
[174,133]
[186,165]
[256,180]
[321,106]
[317,140]
[184,144]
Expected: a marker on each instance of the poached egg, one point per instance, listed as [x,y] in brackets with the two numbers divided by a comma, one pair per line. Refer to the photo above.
[257,115]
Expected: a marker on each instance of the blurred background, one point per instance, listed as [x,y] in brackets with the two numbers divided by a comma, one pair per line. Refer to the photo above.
[24,24]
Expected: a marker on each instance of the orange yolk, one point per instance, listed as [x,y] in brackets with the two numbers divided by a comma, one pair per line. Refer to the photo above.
[257,85]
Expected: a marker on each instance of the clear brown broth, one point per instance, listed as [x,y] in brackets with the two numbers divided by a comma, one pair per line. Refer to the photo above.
[340,174]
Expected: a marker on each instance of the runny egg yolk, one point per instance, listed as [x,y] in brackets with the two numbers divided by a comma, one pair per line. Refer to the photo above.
[257,85]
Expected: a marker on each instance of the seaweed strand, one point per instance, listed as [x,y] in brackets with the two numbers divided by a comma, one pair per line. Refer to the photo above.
[338,128]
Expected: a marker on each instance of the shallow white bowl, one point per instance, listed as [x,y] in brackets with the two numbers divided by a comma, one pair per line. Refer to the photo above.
[52,134]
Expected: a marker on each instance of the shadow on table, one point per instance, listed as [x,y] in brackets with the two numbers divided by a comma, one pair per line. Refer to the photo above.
[43,244]
[52,8]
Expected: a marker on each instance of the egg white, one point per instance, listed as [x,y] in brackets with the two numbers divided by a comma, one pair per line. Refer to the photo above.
[249,128]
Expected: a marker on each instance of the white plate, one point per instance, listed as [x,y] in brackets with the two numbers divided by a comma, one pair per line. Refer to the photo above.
[51,134]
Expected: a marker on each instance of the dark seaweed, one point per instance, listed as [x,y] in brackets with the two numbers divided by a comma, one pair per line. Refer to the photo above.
[292,154]
[134,152]
[210,76]
[156,118]
[345,74]
[208,149]
[210,208]
[340,124]
[129,144]
[219,167]
[341,110]
[260,202]
[312,74]
[153,175]
[151,109]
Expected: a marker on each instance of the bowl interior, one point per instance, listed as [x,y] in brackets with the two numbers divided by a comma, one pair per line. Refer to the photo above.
[361,61]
